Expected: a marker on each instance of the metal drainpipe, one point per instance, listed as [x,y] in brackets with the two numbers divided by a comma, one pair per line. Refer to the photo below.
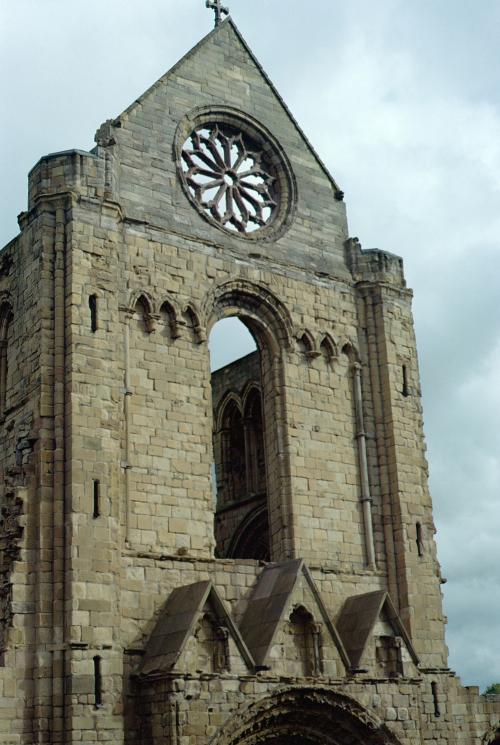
[59,485]
[127,393]
[366,498]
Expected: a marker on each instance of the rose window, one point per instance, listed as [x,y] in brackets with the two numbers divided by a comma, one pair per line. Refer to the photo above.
[230,178]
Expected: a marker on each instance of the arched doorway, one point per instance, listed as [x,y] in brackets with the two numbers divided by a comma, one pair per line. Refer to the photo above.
[310,716]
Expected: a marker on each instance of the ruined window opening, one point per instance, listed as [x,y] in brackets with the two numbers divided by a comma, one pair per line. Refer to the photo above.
[211,651]
[405,390]
[233,456]
[93,313]
[241,513]
[97,682]
[254,443]
[308,641]
[97,498]
[419,539]
[435,696]
[388,655]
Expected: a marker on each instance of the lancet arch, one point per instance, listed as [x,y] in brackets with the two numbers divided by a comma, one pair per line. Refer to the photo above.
[6,316]
[142,306]
[251,539]
[169,315]
[193,322]
[306,343]
[143,298]
[269,323]
[349,349]
[258,308]
[233,465]
[314,716]
[248,395]
[229,400]
[328,348]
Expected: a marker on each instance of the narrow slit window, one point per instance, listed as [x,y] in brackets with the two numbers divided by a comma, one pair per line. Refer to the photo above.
[3,377]
[435,696]
[406,390]
[93,313]
[420,539]
[97,498]
[5,322]
[97,682]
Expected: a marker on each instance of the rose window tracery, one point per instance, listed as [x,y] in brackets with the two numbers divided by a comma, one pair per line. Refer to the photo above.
[230,177]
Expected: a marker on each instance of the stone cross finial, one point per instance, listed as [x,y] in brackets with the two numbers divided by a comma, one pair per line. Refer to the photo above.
[218,9]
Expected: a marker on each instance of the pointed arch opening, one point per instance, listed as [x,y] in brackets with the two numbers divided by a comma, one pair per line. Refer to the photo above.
[263,320]
[327,348]
[306,635]
[310,716]
[142,313]
[240,486]
[168,321]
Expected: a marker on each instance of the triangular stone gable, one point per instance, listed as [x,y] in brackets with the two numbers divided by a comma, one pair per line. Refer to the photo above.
[141,147]
[198,49]
[195,632]
[364,622]
[287,627]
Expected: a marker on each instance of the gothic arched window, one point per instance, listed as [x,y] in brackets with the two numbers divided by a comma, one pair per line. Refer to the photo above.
[307,640]
[254,443]
[233,458]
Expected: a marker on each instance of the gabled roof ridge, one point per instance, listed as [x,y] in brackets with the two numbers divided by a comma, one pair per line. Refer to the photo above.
[157,661]
[229,21]
[172,654]
[285,107]
[169,72]
[396,619]
[326,618]
[260,632]
[233,629]
[261,642]
[357,604]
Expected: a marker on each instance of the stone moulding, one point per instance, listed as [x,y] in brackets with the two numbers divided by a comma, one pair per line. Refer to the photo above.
[241,297]
[231,119]
[321,714]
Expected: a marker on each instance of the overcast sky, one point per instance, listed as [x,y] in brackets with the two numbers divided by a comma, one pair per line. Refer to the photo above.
[401,100]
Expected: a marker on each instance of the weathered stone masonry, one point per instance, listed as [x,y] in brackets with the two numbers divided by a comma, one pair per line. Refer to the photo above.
[117,621]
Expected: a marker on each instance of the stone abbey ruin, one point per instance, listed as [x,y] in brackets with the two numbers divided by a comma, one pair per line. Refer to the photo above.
[246,558]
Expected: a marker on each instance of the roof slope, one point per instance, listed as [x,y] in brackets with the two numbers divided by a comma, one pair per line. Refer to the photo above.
[357,620]
[177,623]
[269,603]
[228,22]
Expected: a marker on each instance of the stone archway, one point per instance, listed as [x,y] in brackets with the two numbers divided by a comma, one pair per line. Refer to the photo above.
[304,716]
[269,322]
